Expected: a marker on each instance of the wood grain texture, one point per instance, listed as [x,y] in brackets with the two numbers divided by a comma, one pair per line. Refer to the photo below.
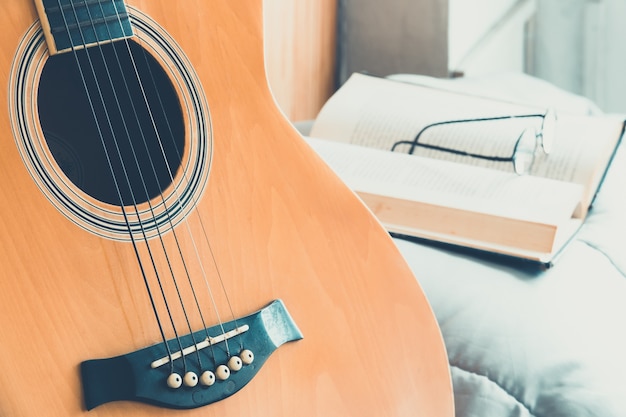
[300,49]
[281,226]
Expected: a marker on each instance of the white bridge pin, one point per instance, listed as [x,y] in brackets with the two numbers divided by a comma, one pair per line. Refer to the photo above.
[235,363]
[190,379]
[174,380]
[207,378]
[222,372]
[247,357]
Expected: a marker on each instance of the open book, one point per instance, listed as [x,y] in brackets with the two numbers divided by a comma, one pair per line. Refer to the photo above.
[422,185]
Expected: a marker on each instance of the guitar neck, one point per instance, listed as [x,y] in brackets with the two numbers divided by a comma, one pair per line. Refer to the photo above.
[70,24]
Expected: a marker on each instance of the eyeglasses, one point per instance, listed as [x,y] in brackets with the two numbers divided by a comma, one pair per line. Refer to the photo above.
[525,148]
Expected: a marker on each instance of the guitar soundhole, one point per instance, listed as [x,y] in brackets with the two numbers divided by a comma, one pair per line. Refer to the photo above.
[113,123]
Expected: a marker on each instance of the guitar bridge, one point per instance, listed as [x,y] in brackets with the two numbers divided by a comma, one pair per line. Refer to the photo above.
[218,366]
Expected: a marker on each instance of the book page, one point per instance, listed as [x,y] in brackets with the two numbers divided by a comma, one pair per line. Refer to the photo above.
[388,115]
[450,184]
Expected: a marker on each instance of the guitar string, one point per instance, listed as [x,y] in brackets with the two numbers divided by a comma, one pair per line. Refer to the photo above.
[178,199]
[114,177]
[132,147]
[194,202]
[169,311]
[134,201]
[176,193]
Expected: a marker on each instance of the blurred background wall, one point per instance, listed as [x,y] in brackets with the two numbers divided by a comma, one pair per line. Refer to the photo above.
[312,46]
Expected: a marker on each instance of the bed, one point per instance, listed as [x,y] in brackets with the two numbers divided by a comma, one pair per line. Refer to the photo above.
[524,341]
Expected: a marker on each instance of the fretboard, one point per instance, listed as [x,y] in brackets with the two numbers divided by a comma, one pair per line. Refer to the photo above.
[76,24]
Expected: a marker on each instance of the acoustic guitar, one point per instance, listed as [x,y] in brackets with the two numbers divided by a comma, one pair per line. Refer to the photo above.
[169,245]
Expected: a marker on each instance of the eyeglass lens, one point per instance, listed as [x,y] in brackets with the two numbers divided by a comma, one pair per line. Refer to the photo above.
[524,154]
[548,131]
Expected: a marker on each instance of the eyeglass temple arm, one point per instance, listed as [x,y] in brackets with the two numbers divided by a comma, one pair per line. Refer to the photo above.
[416,143]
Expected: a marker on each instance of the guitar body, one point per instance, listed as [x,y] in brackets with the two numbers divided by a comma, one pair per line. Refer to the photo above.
[278,225]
